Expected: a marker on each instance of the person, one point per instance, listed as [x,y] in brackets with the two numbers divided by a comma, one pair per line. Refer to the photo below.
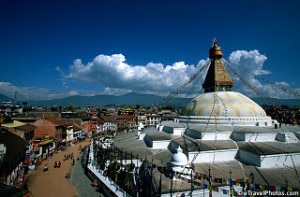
[25,184]
[95,183]
[45,167]
[59,163]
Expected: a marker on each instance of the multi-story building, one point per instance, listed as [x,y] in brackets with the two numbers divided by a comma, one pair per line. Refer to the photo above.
[21,129]
[153,119]
[13,159]
[126,122]
[107,125]
[141,121]
[147,120]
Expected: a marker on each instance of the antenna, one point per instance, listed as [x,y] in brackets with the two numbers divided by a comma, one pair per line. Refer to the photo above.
[16,97]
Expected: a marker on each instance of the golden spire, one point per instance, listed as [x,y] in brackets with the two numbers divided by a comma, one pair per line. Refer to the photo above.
[217,77]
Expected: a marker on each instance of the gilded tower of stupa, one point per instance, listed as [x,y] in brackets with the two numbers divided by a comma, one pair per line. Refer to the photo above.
[217,78]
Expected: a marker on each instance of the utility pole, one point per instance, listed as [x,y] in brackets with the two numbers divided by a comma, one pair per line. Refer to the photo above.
[16,97]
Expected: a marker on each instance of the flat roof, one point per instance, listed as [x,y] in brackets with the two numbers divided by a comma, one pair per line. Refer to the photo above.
[159,136]
[269,148]
[193,145]
[128,142]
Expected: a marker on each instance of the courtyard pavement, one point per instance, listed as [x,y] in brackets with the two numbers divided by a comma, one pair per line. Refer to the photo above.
[81,181]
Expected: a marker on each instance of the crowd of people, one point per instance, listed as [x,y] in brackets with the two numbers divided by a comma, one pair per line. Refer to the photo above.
[57,164]
[69,156]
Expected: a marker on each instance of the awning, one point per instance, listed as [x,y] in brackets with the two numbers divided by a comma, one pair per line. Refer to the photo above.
[46,142]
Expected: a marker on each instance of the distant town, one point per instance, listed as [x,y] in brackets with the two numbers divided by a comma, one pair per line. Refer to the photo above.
[40,131]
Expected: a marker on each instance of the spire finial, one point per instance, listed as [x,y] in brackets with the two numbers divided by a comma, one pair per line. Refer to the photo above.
[215,51]
[214,42]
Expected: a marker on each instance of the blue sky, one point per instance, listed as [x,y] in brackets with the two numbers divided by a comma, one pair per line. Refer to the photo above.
[57,48]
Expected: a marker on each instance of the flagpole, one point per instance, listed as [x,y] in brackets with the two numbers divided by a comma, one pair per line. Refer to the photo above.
[230,191]
[171,187]
[252,180]
[209,181]
[286,185]
[151,177]
[159,191]
[192,186]
[137,173]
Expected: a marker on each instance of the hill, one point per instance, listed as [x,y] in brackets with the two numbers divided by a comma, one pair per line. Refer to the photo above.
[133,99]
[5,98]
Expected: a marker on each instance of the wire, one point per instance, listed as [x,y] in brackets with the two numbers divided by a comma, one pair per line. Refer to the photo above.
[166,99]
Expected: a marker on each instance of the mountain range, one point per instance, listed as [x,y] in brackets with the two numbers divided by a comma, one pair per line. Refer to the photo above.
[133,99]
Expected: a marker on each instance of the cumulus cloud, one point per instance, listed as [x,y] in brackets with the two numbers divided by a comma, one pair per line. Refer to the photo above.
[114,76]
[246,68]
[31,93]
[118,77]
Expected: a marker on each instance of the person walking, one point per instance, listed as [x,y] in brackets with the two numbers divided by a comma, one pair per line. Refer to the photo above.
[45,167]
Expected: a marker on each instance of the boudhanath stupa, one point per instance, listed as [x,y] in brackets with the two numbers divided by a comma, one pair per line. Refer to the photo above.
[223,144]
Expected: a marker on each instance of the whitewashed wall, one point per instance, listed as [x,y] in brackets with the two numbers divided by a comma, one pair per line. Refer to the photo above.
[213,156]
[216,135]
[281,160]
[163,144]
[260,137]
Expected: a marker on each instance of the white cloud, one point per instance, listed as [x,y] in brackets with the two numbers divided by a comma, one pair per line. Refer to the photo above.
[116,77]
[249,61]
[31,93]
[115,91]
[9,90]
[114,73]
[251,78]
[73,93]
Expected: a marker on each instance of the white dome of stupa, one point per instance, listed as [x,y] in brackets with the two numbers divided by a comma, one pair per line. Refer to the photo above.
[225,107]
[179,158]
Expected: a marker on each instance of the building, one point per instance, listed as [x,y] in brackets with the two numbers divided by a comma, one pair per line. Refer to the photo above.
[44,128]
[146,119]
[13,158]
[21,129]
